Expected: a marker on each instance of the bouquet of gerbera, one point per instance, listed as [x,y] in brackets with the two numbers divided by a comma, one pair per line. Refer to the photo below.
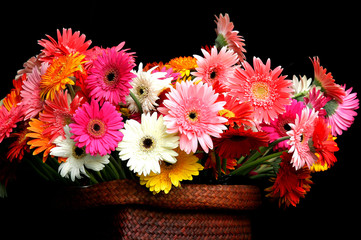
[81,115]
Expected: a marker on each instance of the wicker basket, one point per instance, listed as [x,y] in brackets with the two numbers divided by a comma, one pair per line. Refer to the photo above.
[195,211]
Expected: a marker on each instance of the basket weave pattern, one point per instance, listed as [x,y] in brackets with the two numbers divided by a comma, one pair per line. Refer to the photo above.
[195,211]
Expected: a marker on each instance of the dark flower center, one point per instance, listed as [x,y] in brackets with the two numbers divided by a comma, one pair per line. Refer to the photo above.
[111,77]
[213,75]
[96,127]
[192,115]
[237,138]
[147,143]
[78,152]
[287,127]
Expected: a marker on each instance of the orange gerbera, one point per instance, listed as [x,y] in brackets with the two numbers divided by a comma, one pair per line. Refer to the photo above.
[183,65]
[13,98]
[326,82]
[40,142]
[58,73]
[290,184]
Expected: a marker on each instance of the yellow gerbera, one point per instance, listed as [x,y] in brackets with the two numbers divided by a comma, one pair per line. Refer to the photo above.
[185,168]
[57,75]
[183,65]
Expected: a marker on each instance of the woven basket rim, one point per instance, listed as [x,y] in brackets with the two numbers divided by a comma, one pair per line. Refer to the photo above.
[188,196]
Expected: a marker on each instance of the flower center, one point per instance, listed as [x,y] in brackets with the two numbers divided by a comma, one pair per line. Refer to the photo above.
[78,153]
[260,90]
[213,75]
[287,127]
[96,128]
[110,77]
[142,92]
[238,138]
[193,116]
[147,143]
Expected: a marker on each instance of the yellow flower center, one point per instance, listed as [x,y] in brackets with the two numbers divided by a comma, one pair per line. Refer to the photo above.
[260,90]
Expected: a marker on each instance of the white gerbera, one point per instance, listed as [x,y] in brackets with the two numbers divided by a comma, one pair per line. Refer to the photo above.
[146,87]
[302,86]
[147,143]
[77,158]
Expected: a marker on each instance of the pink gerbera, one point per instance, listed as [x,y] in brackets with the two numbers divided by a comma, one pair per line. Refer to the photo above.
[215,67]
[192,110]
[227,37]
[110,76]
[317,100]
[57,114]
[301,132]
[97,128]
[278,128]
[9,120]
[264,88]
[68,43]
[341,115]
[31,92]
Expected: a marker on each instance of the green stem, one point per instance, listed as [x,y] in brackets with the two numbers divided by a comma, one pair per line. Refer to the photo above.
[248,166]
[118,166]
[71,90]
[218,165]
[136,102]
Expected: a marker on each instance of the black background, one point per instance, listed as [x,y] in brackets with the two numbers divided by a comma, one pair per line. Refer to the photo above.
[157,31]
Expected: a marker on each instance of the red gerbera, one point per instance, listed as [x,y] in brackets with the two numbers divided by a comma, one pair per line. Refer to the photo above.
[57,113]
[19,146]
[235,143]
[324,143]
[326,81]
[290,184]
[236,112]
[68,43]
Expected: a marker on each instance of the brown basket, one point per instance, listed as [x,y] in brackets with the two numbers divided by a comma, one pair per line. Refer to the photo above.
[195,211]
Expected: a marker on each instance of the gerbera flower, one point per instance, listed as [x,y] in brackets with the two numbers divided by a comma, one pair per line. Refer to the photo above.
[57,113]
[39,142]
[290,184]
[146,86]
[183,65]
[31,92]
[326,82]
[237,113]
[300,133]
[302,86]
[215,67]
[29,65]
[341,115]
[211,163]
[9,120]
[110,76]
[146,144]
[97,128]
[13,98]
[235,143]
[58,73]
[19,146]
[226,36]
[185,168]
[68,43]
[317,100]
[265,89]
[192,111]
[323,143]
[76,158]
[280,126]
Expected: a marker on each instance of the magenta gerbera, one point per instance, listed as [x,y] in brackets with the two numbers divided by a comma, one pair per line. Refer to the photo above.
[300,134]
[341,115]
[267,90]
[215,67]
[192,110]
[110,76]
[278,128]
[97,128]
